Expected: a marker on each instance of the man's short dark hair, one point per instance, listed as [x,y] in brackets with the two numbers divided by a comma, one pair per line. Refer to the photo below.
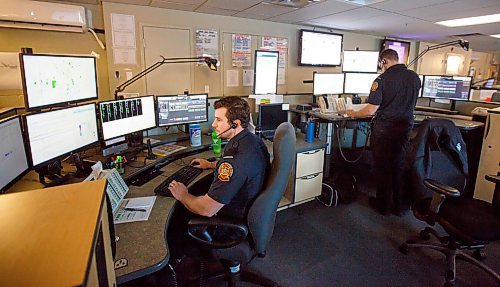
[237,109]
[389,54]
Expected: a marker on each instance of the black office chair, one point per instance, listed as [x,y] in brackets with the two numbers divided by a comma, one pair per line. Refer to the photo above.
[470,223]
[495,97]
[242,242]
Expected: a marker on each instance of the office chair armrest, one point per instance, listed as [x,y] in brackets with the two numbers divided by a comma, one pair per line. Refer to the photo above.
[441,188]
[493,178]
[217,233]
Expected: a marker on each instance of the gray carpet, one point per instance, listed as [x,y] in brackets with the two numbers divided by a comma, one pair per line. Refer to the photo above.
[350,245]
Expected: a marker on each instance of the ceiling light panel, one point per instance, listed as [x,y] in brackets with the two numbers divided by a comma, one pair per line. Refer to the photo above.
[469,21]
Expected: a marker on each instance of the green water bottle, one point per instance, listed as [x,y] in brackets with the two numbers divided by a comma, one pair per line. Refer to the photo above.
[216,143]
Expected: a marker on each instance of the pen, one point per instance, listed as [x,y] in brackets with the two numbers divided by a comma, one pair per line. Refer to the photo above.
[135,209]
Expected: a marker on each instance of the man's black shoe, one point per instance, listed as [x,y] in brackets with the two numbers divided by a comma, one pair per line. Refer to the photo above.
[375,204]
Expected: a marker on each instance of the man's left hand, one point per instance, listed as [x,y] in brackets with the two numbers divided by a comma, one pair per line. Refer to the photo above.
[178,189]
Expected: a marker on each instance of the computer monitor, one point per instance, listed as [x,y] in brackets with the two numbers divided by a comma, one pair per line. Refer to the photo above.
[359,83]
[401,47]
[489,83]
[320,48]
[181,109]
[13,159]
[54,79]
[360,61]
[271,116]
[266,72]
[446,87]
[122,117]
[57,133]
[328,83]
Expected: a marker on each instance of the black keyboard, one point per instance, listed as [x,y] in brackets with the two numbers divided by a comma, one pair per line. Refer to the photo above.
[184,175]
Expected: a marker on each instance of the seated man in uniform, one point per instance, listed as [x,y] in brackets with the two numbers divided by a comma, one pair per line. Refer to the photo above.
[239,174]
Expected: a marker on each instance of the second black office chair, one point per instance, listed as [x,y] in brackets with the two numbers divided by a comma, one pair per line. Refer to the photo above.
[438,159]
[244,241]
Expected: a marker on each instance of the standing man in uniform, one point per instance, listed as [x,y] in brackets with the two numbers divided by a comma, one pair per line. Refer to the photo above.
[239,174]
[392,100]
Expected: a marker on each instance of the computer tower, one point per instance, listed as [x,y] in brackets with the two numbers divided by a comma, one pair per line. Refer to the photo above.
[489,162]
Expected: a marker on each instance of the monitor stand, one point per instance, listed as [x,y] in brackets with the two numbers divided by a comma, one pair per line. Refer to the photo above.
[53,172]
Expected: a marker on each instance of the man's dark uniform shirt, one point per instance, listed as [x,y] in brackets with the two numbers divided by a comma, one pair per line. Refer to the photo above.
[240,174]
[396,93]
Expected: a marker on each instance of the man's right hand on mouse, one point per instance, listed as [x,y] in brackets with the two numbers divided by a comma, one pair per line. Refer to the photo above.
[202,163]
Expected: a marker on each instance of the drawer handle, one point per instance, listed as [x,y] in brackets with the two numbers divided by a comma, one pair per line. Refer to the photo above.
[310,176]
[312,152]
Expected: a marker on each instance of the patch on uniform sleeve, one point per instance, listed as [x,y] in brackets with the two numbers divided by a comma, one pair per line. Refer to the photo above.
[225,172]
[374,86]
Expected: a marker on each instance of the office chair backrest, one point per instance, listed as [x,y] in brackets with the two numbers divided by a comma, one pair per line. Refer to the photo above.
[438,152]
[262,213]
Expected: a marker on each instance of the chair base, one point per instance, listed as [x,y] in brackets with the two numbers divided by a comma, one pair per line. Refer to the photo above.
[243,274]
[451,250]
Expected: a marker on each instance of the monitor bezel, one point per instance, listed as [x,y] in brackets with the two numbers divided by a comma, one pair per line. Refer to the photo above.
[167,96]
[451,99]
[259,116]
[319,32]
[343,82]
[59,104]
[28,164]
[255,70]
[345,79]
[109,101]
[28,142]
[368,72]
[407,44]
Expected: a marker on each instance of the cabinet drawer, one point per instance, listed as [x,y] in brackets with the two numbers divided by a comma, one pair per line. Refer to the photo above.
[310,162]
[308,186]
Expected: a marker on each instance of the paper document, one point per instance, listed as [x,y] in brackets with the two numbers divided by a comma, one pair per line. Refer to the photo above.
[135,209]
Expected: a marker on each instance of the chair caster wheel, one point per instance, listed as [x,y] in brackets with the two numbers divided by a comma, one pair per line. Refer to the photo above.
[403,248]
[479,254]
[424,235]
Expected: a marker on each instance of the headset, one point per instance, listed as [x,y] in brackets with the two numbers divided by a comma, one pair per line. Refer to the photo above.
[232,126]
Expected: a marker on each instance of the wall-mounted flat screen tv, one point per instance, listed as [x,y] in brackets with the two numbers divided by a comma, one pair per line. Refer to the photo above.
[320,48]
[401,47]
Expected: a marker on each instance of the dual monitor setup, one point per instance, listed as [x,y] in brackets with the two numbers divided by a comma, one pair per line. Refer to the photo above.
[49,132]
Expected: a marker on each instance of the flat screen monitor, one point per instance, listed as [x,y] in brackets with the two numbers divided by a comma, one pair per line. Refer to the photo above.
[489,83]
[13,160]
[401,47]
[446,87]
[54,79]
[359,83]
[181,109]
[271,116]
[360,61]
[328,83]
[122,117]
[266,72]
[57,133]
[320,48]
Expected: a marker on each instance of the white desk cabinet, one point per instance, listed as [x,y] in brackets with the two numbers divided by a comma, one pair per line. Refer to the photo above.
[308,174]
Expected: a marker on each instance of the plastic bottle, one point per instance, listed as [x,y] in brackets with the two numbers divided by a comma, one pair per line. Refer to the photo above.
[310,132]
[216,143]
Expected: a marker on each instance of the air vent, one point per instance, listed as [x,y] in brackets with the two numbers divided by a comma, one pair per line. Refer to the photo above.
[291,3]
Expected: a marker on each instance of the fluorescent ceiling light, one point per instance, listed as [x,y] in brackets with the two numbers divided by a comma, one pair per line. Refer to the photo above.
[493,18]
[496,36]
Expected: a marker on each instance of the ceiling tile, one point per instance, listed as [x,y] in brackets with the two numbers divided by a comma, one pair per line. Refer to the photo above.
[189,2]
[133,2]
[314,11]
[453,10]
[351,16]
[268,9]
[401,5]
[250,15]
[216,11]
[95,2]
[173,5]
[238,5]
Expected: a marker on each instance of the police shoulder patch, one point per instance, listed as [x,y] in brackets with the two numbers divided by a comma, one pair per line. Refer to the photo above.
[374,86]
[225,172]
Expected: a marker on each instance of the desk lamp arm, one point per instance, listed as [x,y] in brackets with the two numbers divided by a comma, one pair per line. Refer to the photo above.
[463,43]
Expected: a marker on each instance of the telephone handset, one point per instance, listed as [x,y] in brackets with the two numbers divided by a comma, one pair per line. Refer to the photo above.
[323,106]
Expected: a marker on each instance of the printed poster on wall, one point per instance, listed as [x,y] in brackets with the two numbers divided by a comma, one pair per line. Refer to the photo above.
[123,35]
[241,54]
[280,45]
[207,43]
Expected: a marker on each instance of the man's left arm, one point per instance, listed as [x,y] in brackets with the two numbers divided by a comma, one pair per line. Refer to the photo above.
[368,111]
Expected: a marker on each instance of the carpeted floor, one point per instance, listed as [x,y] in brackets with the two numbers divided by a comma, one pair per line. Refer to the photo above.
[350,245]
